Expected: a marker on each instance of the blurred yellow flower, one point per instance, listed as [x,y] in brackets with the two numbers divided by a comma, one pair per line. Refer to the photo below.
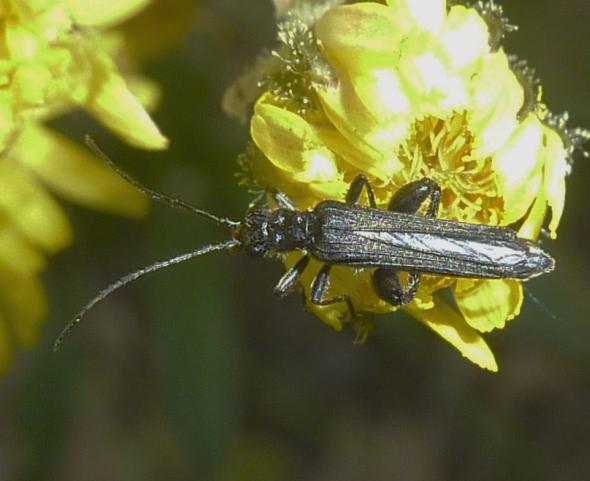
[398,91]
[172,19]
[53,59]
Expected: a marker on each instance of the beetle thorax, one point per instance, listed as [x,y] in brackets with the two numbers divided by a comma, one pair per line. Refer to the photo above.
[266,232]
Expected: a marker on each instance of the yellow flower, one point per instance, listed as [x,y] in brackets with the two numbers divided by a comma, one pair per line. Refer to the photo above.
[52,60]
[398,91]
[172,19]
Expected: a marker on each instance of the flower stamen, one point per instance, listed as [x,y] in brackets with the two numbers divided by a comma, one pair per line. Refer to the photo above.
[442,150]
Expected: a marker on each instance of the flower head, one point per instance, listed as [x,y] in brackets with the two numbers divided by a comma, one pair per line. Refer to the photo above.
[401,90]
[52,59]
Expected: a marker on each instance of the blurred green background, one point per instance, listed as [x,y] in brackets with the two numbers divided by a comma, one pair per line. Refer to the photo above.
[199,373]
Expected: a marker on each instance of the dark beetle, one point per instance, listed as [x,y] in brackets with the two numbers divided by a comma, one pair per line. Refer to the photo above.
[346,233]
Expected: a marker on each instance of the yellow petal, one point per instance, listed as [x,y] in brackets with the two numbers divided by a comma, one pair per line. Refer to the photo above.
[36,215]
[333,315]
[427,14]
[39,14]
[518,166]
[28,8]
[382,93]
[172,19]
[75,174]
[50,22]
[147,91]
[7,124]
[30,83]
[6,349]
[24,305]
[368,40]
[282,135]
[356,158]
[358,286]
[21,43]
[496,98]
[531,227]
[464,36]
[104,13]
[17,253]
[438,90]
[424,299]
[113,103]
[292,144]
[489,304]
[329,190]
[362,36]
[377,141]
[448,324]
[554,179]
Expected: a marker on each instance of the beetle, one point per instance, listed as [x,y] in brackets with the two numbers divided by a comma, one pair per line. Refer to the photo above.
[392,240]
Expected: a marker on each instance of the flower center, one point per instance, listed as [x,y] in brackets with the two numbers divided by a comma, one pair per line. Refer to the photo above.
[442,149]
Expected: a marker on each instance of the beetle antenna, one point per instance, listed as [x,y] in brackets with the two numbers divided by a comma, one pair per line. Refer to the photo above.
[133,276]
[542,306]
[152,194]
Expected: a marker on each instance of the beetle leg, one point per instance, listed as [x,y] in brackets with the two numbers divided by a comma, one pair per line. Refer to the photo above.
[389,288]
[319,288]
[409,198]
[356,188]
[361,321]
[279,197]
[290,278]
[282,200]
